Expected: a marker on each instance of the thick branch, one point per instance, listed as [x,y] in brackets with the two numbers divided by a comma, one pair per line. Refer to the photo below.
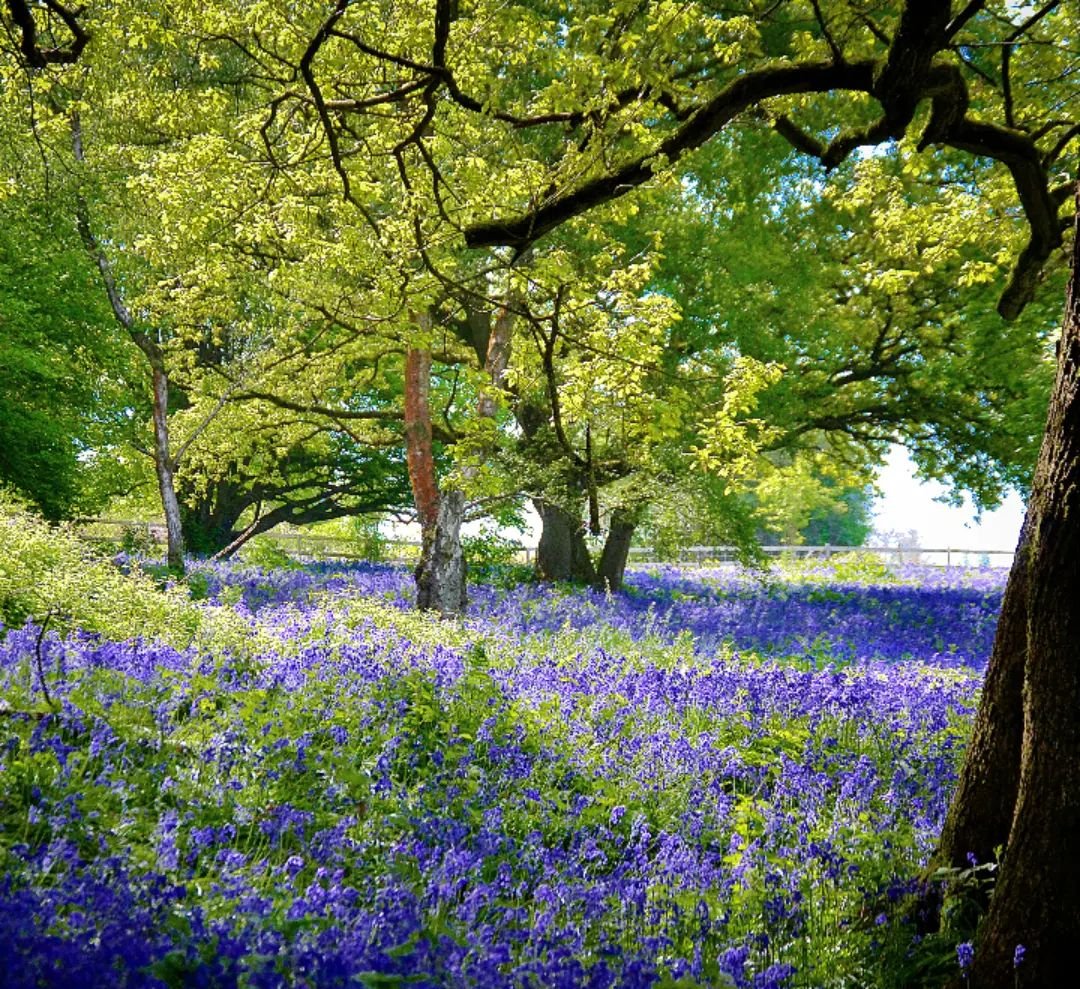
[36,56]
[1019,154]
[741,94]
[379,415]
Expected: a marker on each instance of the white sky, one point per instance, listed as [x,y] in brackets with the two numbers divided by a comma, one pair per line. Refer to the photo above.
[908,503]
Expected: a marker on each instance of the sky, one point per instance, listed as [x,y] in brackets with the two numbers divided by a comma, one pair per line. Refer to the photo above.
[908,503]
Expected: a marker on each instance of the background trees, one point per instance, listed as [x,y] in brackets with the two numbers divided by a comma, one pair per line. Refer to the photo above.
[65,386]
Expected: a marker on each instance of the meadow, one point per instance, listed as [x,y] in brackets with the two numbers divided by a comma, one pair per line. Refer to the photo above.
[710,779]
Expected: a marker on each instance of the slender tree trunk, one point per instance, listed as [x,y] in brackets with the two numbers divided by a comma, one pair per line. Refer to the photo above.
[440,574]
[612,568]
[165,468]
[1036,902]
[164,464]
[562,553]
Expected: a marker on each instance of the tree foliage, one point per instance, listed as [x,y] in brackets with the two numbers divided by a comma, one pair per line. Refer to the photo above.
[65,387]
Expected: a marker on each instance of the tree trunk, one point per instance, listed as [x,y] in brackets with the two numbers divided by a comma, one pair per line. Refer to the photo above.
[210,512]
[1036,902]
[616,550]
[419,453]
[562,553]
[981,811]
[440,574]
[164,467]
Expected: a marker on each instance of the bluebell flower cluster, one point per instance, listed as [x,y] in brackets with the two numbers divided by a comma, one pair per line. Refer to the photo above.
[706,780]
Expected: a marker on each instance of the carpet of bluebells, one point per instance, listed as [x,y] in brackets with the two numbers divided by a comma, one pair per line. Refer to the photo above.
[708,779]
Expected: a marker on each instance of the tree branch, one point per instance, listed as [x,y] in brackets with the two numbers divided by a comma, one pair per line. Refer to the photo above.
[739,95]
[36,56]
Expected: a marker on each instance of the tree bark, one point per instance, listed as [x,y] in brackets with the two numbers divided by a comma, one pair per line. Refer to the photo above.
[497,359]
[1036,902]
[612,568]
[419,453]
[562,553]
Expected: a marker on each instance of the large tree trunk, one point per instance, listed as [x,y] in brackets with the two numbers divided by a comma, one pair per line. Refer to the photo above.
[1036,902]
[562,553]
[982,808]
[210,514]
[612,568]
[981,811]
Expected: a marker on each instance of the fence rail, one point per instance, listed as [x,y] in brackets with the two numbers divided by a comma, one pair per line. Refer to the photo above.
[303,545]
[947,556]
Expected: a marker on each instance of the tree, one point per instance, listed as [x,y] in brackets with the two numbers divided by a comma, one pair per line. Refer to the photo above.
[869,350]
[625,103]
[848,527]
[65,387]
[54,104]
[100,146]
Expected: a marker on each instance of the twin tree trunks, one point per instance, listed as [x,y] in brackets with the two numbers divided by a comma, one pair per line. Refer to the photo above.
[1019,790]
[563,554]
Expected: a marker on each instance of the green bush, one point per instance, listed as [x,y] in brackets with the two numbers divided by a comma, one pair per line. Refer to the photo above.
[47,572]
[489,549]
[268,555]
[370,542]
[494,559]
[843,568]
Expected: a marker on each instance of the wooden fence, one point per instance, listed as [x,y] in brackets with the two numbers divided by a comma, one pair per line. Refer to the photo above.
[308,546]
[944,557]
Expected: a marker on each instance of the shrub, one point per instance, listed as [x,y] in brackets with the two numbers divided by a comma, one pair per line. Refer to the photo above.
[489,549]
[268,555]
[46,571]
